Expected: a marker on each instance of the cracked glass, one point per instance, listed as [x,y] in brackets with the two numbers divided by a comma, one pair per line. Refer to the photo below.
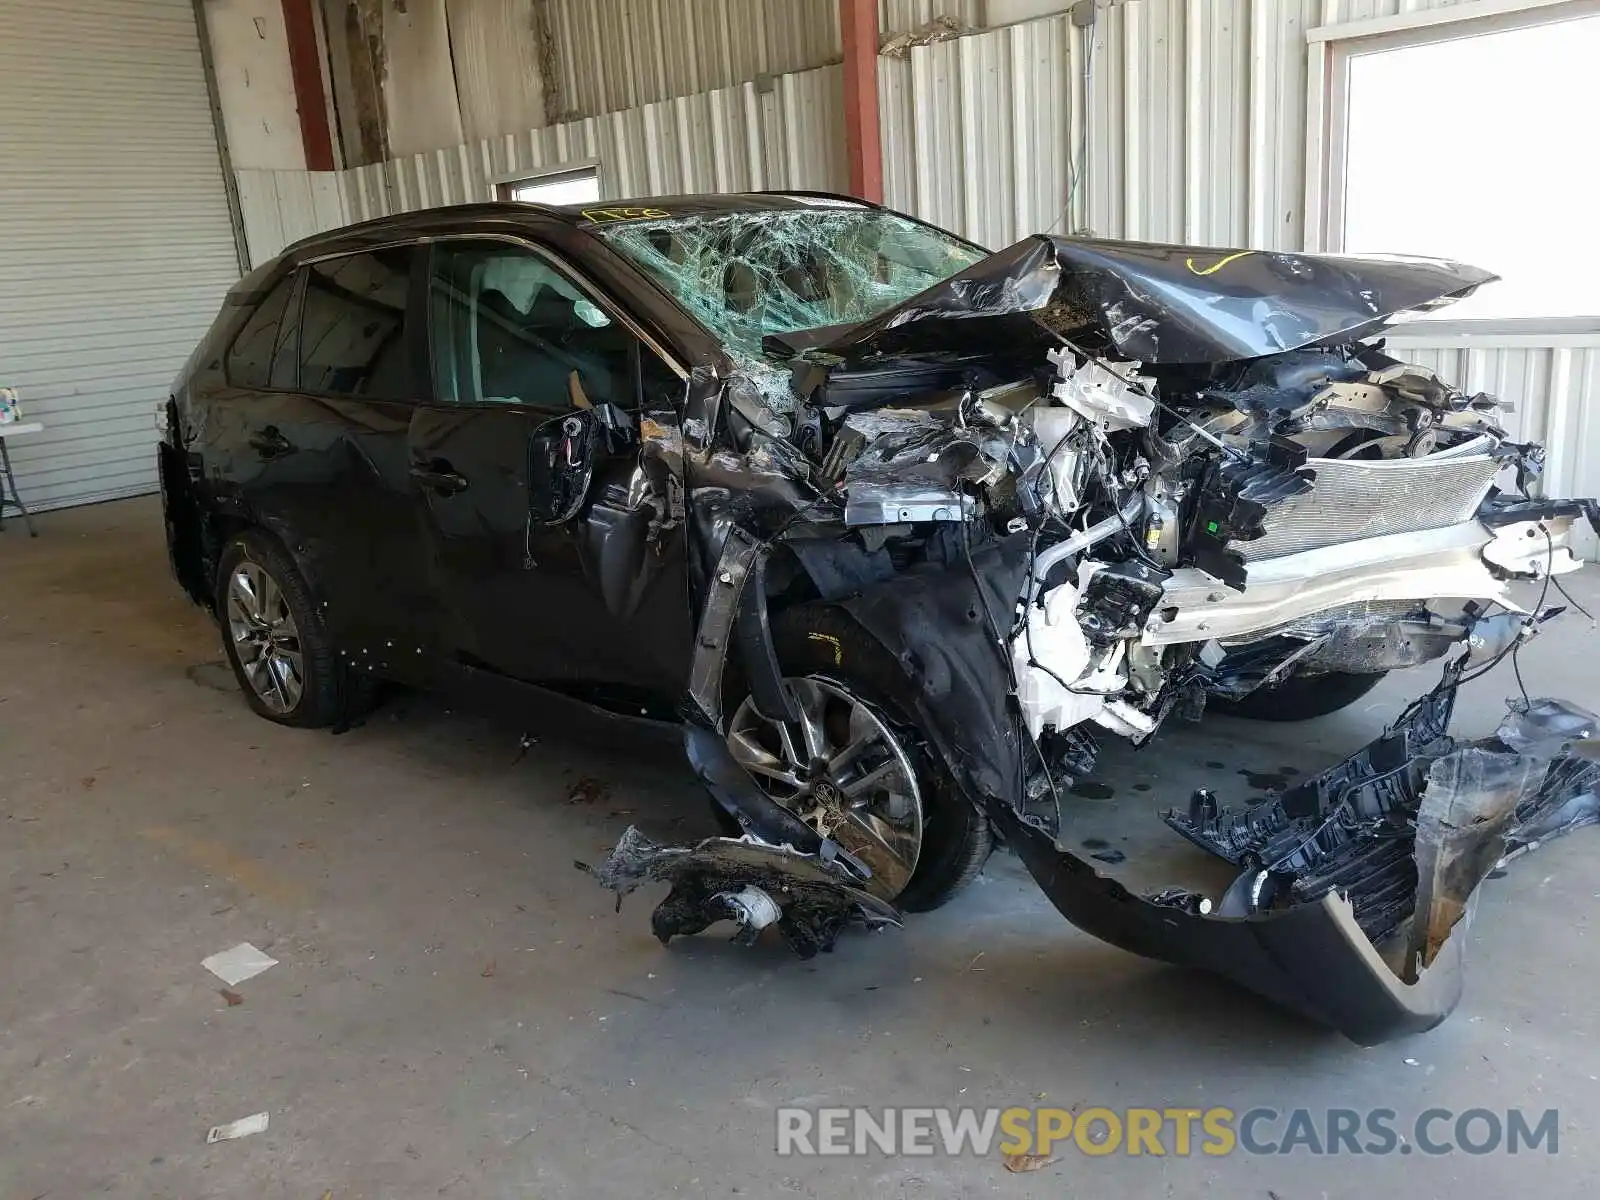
[745,275]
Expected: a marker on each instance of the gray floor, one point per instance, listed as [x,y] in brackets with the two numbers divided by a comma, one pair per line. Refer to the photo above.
[458,1012]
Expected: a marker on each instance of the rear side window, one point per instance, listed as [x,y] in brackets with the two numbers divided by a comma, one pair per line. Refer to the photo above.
[262,355]
[353,326]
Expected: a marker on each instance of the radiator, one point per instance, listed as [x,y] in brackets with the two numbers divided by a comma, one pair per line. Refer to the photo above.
[1355,499]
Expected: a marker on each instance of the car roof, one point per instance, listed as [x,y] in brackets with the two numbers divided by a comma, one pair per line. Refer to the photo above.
[467,217]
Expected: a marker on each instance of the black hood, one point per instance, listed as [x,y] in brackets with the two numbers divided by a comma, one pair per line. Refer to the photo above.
[1163,304]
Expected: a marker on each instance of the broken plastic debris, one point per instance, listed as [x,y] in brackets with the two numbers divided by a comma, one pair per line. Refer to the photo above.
[235,965]
[243,1127]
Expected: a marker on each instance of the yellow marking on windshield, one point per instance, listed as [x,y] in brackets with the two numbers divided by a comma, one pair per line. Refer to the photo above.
[1218,265]
[603,216]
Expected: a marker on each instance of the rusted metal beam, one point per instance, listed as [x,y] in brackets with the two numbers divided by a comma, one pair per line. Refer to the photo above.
[858,21]
[305,66]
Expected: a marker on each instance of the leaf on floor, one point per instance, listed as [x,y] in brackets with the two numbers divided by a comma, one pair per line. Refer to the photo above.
[233,998]
[587,790]
[1020,1163]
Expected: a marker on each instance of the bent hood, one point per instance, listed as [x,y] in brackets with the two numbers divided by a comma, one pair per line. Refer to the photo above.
[1160,303]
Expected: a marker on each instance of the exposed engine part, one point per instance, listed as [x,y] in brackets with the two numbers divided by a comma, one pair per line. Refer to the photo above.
[1117,599]
[1352,500]
[1101,397]
[1118,522]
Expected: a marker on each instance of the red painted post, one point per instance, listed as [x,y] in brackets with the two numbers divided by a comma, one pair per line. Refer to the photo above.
[858,21]
[305,65]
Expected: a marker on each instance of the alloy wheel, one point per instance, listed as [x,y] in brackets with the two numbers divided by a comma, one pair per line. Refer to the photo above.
[265,637]
[841,770]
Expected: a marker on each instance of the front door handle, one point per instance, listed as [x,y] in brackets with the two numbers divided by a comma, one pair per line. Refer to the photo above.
[440,476]
[269,443]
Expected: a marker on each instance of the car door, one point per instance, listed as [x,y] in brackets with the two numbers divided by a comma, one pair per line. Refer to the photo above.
[519,345]
[323,449]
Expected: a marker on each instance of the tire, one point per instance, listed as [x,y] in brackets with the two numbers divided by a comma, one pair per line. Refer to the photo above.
[1301,697]
[819,642]
[326,693]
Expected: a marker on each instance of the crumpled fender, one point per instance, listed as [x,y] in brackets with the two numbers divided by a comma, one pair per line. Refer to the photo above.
[933,622]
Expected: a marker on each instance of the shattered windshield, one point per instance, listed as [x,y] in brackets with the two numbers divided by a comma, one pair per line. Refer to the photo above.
[745,275]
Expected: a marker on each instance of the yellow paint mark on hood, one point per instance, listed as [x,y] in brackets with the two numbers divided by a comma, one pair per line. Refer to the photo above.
[1219,264]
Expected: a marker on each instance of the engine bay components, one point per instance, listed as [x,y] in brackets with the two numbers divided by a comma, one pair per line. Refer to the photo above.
[1080,487]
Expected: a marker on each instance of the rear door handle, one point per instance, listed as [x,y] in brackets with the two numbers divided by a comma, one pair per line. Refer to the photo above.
[269,443]
[440,476]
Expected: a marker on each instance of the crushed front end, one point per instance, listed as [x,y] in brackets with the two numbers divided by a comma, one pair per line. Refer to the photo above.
[1085,488]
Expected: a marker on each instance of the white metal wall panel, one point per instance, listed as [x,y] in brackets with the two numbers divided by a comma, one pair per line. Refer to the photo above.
[976,131]
[115,240]
[742,138]
[495,50]
[419,86]
[908,16]
[280,207]
[620,54]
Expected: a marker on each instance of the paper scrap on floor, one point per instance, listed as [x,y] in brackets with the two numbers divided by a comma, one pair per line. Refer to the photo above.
[234,966]
[243,1127]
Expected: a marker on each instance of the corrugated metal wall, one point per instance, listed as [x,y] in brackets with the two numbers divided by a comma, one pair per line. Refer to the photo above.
[620,54]
[115,242]
[733,139]
[975,130]
[280,207]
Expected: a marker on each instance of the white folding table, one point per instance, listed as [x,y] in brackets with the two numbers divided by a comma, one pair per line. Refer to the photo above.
[8,480]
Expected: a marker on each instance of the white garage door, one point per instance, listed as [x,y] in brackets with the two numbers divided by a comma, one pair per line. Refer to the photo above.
[115,241]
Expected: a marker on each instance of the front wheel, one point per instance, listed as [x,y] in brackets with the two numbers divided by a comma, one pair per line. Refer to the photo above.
[855,768]
[1302,697]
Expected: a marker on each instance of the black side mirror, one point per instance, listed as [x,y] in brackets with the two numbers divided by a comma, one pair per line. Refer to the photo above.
[562,455]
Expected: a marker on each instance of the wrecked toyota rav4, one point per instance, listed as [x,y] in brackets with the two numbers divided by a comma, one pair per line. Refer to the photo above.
[899,530]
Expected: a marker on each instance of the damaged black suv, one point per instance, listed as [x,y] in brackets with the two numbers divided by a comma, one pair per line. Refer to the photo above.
[895,528]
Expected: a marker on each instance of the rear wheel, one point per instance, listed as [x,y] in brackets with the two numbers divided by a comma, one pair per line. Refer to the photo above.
[855,767]
[1302,697]
[274,636]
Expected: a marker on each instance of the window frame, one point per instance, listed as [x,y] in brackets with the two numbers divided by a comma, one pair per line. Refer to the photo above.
[295,278]
[558,262]
[421,383]
[505,185]
[1330,51]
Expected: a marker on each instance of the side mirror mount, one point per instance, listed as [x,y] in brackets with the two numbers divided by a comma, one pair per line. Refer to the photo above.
[562,455]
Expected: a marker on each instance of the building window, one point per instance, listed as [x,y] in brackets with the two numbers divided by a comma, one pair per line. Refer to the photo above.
[578,186]
[1465,140]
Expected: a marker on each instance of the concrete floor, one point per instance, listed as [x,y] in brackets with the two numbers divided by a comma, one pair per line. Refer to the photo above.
[458,1012]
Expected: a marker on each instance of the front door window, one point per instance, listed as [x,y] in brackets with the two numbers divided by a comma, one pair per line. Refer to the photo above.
[509,328]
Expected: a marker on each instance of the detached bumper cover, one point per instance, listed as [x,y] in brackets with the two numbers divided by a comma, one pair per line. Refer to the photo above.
[1409,837]
[1313,959]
